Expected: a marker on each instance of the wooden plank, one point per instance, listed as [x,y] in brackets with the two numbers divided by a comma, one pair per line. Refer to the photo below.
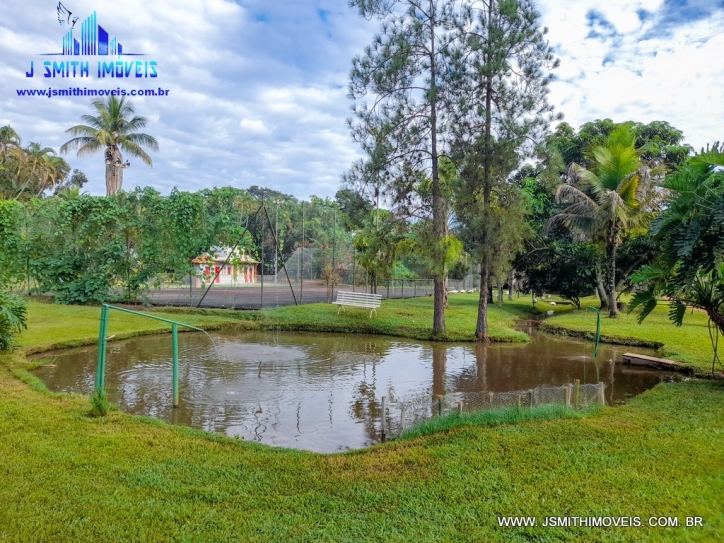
[634,359]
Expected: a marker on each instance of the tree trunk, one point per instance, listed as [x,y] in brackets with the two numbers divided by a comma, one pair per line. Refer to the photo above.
[500,293]
[612,303]
[114,170]
[511,279]
[481,331]
[601,288]
[717,318]
[438,212]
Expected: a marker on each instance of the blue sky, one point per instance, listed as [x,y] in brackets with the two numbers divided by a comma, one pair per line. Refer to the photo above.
[258,89]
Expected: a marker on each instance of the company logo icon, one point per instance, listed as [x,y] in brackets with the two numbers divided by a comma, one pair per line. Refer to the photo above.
[92,40]
[64,16]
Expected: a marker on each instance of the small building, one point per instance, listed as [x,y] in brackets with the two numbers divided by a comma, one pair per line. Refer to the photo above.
[213,266]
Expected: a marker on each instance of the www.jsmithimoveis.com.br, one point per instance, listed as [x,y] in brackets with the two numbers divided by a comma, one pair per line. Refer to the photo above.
[602,522]
[83,92]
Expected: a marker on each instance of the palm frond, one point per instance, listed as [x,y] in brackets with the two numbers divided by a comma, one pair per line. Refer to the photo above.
[677,310]
[143,139]
[712,156]
[643,302]
[568,194]
[134,149]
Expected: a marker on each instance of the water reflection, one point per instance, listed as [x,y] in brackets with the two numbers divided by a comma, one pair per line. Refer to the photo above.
[322,392]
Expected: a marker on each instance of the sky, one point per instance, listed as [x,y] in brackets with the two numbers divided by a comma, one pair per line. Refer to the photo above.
[258,90]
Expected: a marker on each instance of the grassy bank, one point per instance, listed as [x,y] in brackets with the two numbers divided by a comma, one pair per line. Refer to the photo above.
[59,326]
[56,326]
[68,477]
[494,417]
[689,344]
[408,318]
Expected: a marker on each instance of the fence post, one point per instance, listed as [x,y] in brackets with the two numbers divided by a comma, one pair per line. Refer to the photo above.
[490,400]
[403,417]
[520,400]
[568,395]
[530,399]
[301,266]
[101,366]
[174,332]
[384,421]
[460,407]
[577,395]
[261,300]
[601,393]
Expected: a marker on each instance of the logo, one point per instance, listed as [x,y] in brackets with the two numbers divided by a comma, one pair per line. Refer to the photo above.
[92,40]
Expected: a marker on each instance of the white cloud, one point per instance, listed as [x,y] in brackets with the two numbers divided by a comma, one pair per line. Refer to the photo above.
[258,89]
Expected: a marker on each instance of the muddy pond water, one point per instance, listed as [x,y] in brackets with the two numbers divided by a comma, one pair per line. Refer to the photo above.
[322,392]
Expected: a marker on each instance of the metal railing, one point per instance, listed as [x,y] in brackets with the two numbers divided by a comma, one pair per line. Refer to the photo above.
[103,339]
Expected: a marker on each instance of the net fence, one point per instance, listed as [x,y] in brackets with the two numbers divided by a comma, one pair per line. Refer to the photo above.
[403,413]
[274,265]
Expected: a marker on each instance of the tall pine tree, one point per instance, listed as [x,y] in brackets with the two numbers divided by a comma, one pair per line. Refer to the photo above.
[400,119]
[502,65]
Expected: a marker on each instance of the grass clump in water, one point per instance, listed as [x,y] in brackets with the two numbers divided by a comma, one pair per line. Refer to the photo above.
[490,418]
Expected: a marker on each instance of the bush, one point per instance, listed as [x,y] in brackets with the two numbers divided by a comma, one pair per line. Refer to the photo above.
[12,319]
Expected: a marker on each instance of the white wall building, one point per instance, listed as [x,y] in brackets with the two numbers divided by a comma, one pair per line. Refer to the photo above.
[213,266]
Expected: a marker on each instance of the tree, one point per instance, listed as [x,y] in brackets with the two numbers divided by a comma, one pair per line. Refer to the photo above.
[72,185]
[403,71]
[657,139]
[604,202]
[501,86]
[379,244]
[9,140]
[689,270]
[355,208]
[567,268]
[12,319]
[111,130]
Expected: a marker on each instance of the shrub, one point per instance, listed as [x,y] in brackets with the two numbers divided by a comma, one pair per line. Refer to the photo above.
[12,319]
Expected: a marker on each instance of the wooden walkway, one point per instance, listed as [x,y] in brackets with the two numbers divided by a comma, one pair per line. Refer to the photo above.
[661,363]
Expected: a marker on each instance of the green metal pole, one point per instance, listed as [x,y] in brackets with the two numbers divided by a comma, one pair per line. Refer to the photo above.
[101,366]
[148,316]
[598,330]
[174,332]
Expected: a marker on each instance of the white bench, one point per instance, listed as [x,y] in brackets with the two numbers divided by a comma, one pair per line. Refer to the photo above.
[358,299]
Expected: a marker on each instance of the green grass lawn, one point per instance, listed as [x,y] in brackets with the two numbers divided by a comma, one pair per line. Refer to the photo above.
[60,326]
[57,326]
[65,476]
[410,318]
[689,343]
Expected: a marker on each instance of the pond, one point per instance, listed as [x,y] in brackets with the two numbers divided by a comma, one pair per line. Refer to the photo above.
[322,392]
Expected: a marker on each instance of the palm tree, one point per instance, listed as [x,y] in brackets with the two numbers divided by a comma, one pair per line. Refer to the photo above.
[606,202]
[689,271]
[41,169]
[9,140]
[113,129]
